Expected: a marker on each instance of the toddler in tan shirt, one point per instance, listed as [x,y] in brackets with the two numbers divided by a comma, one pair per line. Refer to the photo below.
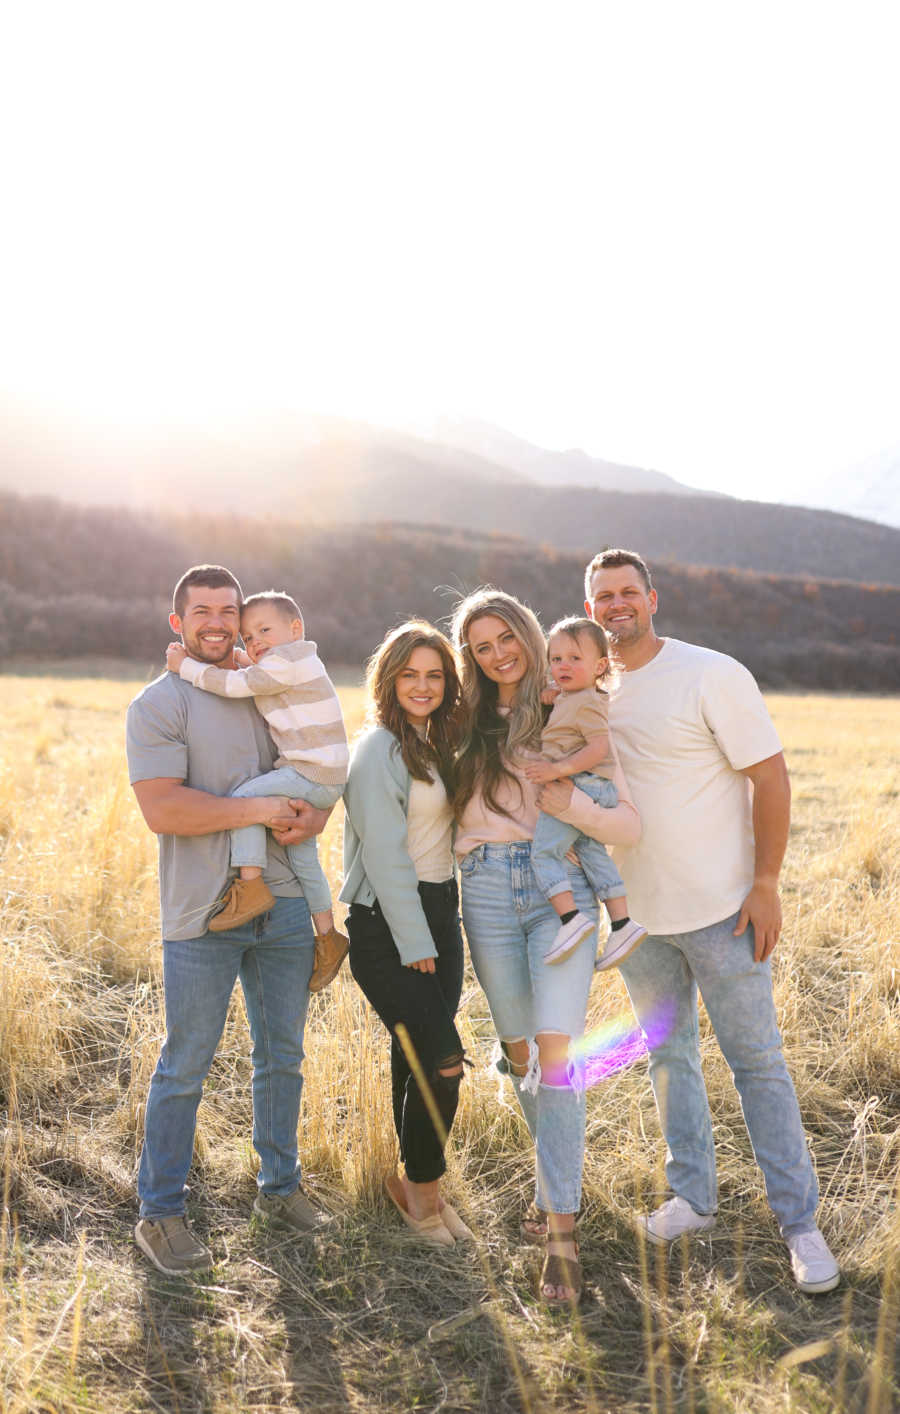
[575,745]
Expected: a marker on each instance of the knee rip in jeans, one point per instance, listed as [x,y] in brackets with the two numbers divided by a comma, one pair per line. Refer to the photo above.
[568,1072]
[448,1073]
[526,1072]
[510,1066]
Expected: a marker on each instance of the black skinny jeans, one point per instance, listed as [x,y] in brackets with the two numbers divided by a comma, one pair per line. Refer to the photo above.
[426,1003]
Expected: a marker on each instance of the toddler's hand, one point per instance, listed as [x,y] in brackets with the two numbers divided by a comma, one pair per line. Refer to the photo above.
[242,659]
[549,694]
[540,772]
[175,656]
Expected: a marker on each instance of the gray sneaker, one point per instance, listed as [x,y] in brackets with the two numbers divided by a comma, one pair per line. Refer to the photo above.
[295,1211]
[171,1246]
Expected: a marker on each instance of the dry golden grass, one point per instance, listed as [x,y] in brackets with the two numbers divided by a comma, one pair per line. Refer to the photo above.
[342,1322]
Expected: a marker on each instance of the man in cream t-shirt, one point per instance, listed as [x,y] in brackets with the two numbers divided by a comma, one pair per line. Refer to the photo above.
[705,766]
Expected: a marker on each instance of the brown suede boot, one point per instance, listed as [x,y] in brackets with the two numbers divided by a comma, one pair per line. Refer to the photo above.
[246,899]
[331,949]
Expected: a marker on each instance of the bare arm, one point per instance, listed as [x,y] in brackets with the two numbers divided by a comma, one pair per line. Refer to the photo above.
[594,753]
[172,808]
[771,824]
[619,826]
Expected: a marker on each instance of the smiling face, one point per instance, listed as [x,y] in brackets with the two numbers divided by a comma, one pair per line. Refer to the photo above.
[621,603]
[420,684]
[265,626]
[209,624]
[498,653]
[575,664]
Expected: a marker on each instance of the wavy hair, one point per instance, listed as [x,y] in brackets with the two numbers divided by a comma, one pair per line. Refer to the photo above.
[491,739]
[436,749]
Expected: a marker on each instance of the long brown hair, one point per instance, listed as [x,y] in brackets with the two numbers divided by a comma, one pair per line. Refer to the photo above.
[437,748]
[490,738]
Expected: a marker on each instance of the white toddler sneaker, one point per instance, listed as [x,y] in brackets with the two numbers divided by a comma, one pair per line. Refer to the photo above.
[620,944]
[812,1263]
[569,936]
[671,1220]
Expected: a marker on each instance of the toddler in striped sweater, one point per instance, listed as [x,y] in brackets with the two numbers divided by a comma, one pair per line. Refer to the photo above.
[284,675]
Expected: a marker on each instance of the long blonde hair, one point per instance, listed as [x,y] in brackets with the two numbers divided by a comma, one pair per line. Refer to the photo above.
[437,748]
[490,738]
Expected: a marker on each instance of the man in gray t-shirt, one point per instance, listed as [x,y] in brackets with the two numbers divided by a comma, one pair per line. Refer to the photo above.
[187,750]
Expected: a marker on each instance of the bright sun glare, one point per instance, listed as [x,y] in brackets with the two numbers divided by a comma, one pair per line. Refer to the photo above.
[666,234]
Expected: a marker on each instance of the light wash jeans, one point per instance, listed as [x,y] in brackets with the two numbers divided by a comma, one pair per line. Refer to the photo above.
[737,993]
[554,838]
[273,956]
[510,925]
[248,845]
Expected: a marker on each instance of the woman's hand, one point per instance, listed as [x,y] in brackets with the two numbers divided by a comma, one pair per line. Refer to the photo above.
[540,772]
[424,964]
[555,797]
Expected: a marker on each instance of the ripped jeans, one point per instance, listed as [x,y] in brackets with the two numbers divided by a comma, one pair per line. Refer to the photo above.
[426,1003]
[509,926]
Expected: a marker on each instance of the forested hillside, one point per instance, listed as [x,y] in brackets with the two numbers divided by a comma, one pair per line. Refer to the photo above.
[77,581]
[338,472]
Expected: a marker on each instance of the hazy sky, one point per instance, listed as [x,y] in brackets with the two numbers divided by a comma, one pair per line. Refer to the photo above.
[665,232]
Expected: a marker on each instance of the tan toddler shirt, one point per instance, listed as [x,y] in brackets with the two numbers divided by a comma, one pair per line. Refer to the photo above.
[576,717]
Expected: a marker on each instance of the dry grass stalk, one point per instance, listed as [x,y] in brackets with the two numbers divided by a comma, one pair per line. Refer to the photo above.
[341,1322]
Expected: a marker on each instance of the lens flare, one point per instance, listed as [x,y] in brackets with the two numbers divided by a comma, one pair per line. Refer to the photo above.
[619,1042]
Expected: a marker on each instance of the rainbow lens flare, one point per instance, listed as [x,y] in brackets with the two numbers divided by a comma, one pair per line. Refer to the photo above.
[619,1042]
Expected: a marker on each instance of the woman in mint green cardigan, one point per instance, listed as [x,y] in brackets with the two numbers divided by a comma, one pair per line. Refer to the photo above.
[405,943]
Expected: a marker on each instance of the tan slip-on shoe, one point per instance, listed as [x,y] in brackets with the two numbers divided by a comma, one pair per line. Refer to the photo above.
[245,900]
[331,949]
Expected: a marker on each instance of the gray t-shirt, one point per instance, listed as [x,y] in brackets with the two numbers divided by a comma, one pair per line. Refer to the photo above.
[213,744]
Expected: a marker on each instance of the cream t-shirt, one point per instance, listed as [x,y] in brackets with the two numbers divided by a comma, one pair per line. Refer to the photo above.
[685,725]
[429,826]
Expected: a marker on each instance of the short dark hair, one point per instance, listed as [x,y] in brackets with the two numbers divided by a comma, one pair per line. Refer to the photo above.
[209,577]
[614,560]
[283,602]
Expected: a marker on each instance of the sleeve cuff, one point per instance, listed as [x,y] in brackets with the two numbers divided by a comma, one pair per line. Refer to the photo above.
[190,670]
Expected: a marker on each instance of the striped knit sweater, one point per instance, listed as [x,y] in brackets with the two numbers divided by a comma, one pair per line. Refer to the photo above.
[295,695]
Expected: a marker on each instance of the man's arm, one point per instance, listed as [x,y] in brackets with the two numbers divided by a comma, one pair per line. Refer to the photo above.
[172,808]
[771,824]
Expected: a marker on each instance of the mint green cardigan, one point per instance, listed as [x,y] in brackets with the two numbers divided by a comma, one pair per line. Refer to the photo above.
[376,857]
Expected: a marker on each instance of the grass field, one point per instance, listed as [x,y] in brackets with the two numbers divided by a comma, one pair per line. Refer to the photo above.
[359,1319]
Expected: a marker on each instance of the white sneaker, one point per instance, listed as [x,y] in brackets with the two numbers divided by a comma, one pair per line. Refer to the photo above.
[671,1220]
[569,936]
[813,1265]
[619,944]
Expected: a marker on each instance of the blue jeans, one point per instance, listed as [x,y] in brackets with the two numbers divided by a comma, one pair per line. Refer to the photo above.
[248,845]
[273,956]
[666,972]
[510,925]
[553,839]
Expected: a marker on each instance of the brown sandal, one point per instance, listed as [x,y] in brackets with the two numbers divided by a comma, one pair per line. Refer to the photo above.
[561,1272]
[533,1227]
